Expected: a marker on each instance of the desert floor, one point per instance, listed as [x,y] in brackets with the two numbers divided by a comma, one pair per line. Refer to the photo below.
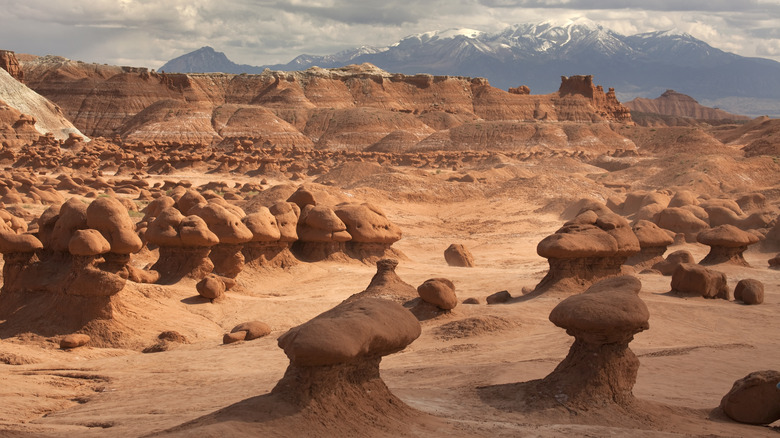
[695,348]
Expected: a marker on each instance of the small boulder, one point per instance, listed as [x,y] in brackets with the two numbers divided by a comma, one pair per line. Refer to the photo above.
[457,255]
[754,399]
[211,287]
[253,329]
[689,279]
[749,291]
[440,292]
[499,297]
[74,340]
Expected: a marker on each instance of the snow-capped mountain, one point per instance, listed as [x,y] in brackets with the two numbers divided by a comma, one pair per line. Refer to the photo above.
[538,54]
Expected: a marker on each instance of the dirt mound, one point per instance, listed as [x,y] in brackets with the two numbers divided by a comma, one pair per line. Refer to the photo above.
[474,326]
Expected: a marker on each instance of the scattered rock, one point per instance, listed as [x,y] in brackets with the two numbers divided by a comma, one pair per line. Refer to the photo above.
[252,329]
[499,297]
[74,340]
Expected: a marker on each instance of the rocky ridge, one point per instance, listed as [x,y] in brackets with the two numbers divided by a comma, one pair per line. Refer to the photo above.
[674,104]
[354,107]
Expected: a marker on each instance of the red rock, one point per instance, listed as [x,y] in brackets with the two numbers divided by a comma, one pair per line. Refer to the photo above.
[457,255]
[440,292]
[749,291]
[754,399]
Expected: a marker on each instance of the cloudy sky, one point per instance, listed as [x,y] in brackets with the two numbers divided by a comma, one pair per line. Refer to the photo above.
[148,33]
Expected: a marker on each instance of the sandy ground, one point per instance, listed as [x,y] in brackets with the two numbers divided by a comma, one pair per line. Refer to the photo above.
[694,351]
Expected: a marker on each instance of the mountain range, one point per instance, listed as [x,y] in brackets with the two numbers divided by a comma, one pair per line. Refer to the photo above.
[536,55]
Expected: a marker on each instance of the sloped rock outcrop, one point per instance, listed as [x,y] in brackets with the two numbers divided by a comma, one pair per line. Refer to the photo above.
[386,284]
[44,116]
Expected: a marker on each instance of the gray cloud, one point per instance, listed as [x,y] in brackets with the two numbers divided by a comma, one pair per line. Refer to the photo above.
[150,32]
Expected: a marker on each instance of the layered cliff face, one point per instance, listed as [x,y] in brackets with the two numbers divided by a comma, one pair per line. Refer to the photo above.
[675,104]
[26,115]
[354,107]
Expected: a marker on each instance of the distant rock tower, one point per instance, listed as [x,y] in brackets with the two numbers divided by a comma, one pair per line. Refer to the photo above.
[9,63]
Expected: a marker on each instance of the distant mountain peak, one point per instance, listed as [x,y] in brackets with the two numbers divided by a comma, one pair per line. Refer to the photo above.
[537,54]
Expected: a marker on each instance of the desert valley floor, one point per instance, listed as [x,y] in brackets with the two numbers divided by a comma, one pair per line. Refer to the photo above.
[692,353]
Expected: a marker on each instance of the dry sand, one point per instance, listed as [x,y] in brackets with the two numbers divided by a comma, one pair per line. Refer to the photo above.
[694,351]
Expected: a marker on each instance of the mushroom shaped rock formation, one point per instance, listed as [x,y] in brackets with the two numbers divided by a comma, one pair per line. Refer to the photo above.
[72,216]
[108,216]
[232,234]
[335,356]
[727,243]
[681,220]
[266,247]
[386,284]
[668,265]
[185,244]
[321,235]
[332,386]
[586,249]
[372,233]
[600,368]
[18,252]
[694,280]
[653,242]
[683,198]
[754,399]
[88,243]
[457,255]
[189,199]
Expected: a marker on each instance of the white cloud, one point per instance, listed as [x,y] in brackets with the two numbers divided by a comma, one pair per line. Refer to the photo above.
[150,32]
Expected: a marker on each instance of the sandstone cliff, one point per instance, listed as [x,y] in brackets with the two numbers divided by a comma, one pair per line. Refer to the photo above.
[354,107]
[25,114]
[675,104]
